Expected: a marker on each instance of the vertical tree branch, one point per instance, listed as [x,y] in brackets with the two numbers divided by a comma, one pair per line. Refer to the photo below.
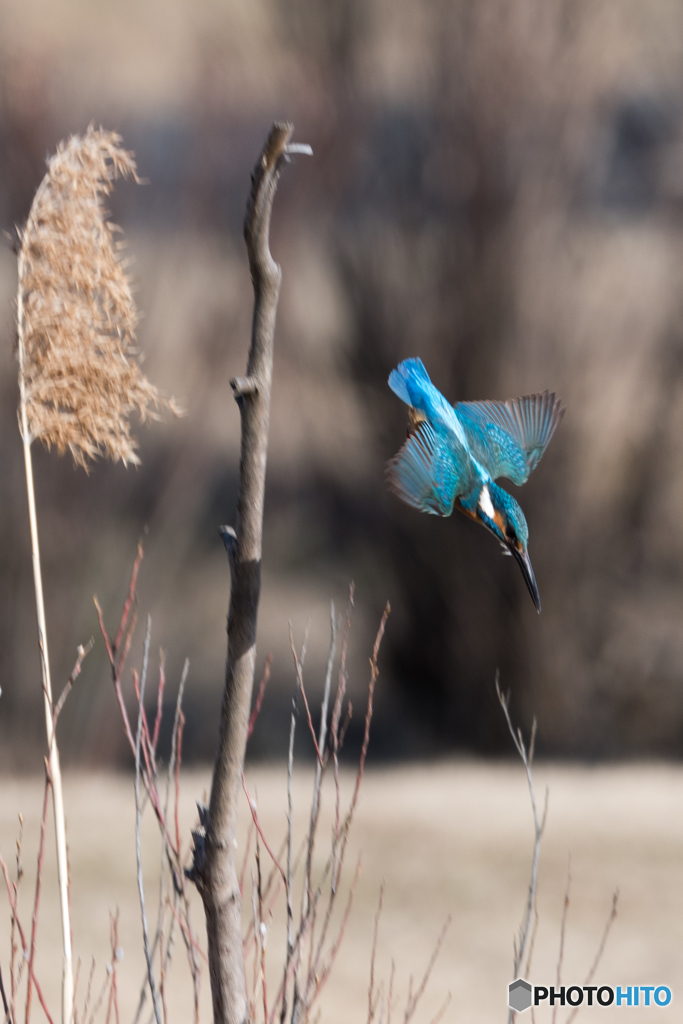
[214,867]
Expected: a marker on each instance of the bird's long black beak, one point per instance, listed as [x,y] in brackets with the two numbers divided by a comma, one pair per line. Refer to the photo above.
[524,563]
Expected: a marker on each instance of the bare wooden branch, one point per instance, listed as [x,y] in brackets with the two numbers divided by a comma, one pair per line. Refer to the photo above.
[214,871]
[244,386]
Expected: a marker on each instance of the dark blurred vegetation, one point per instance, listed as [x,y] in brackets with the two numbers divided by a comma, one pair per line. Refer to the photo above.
[496,188]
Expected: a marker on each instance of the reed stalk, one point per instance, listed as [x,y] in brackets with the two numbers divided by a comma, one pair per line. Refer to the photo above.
[53,755]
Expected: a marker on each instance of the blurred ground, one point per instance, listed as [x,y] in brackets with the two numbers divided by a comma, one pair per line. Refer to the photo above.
[496,188]
[453,838]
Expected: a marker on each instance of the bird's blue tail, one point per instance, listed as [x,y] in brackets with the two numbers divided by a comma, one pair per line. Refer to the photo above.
[408,380]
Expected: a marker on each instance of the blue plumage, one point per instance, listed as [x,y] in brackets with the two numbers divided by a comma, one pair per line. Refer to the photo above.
[454,454]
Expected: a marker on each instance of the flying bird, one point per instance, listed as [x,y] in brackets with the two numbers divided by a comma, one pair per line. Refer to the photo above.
[455,453]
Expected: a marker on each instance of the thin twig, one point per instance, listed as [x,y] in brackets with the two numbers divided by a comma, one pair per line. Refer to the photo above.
[100,999]
[247,848]
[11,893]
[138,821]
[319,979]
[601,949]
[539,825]
[390,995]
[160,700]
[315,803]
[81,653]
[412,1003]
[563,930]
[262,935]
[5,1005]
[301,689]
[259,697]
[318,972]
[111,652]
[113,991]
[36,901]
[130,601]
[442,1009]
[88,991]
[288,877]
[183,928]
[254,815]
[372,1002]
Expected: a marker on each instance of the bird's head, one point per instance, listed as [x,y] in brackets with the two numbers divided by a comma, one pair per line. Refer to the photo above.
[502,515]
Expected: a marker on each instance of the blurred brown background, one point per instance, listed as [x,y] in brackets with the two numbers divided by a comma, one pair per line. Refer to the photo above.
[497,188]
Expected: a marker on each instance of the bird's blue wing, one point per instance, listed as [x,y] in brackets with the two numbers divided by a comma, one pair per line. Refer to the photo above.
[430,471]
[509,438]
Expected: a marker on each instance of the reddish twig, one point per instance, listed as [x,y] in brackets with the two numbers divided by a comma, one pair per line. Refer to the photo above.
[147,748]
[254,815]
[270,890]
[259,697]
[81,653]
[11,893]
[36,901]
[15,977]
[118,649]
[247,847]
[117,682]
[372,1002]
[130,599]
[160,699]
[113,1004]
[190,938]
[179,748]
[301,689]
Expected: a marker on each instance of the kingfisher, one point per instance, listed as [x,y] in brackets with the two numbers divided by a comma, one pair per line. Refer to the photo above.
[455,453]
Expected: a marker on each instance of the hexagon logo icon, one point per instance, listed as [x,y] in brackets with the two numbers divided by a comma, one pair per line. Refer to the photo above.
[519,995]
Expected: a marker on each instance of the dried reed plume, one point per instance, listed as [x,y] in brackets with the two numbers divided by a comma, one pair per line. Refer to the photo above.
[79,371]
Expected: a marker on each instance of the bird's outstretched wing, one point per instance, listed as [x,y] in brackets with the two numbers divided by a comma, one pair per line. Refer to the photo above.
[430,471]
[509,438]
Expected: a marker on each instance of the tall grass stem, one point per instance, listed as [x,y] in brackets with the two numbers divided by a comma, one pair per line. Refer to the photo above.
[53,750]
